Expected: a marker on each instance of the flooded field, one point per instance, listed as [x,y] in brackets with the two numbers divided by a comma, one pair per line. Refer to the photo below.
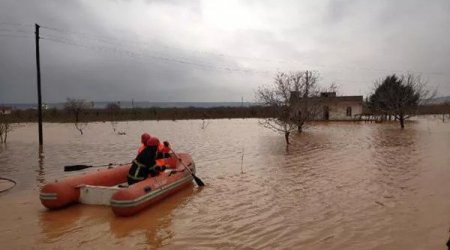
[338,186]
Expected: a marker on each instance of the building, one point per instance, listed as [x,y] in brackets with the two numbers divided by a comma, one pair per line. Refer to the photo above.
[328,106]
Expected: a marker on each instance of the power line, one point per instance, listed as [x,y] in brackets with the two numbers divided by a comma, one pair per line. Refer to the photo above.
[12,30]
[135,55]
[114,41]
[147,55]
[111,40]
[14,35]
[118,42]
[110,49]
[116,45]
[16,24]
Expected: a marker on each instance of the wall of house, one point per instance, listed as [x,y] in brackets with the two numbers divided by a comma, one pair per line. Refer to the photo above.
[338,111]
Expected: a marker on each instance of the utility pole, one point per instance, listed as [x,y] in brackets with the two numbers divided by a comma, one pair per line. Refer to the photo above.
[38,67]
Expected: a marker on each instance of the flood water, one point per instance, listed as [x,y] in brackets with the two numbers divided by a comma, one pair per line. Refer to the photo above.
[338,186]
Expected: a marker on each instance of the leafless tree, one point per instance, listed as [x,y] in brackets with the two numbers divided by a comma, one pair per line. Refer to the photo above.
[277,96]
[77,107]
[304,98]
[205,124]
[447,107]
[5,128]
[283,96]
[113,109]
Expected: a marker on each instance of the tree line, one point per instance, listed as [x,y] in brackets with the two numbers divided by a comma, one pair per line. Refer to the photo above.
[286,105]
[80,112]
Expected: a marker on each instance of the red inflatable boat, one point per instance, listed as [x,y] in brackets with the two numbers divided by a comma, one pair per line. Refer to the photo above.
[106,187]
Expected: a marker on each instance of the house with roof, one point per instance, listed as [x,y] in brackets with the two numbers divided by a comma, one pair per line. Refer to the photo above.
[328,106]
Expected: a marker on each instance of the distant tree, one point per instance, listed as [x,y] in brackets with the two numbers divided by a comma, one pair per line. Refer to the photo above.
[76,107]
[205,124]
[288,114]
[113,110]
[398,96]
[447,110]
[5,127]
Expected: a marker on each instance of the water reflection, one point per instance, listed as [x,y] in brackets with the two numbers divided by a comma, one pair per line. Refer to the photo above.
[40,177]
[395,158]
[55,224]
[154,222]
[83,225]
[5,169]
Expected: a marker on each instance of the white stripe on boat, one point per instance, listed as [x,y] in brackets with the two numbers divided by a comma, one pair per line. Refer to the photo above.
[48,196]
[150,195]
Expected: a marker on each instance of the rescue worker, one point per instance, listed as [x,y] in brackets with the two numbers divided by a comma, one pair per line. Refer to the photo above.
[166,149]
[145,163]
[144,139]
[163,154]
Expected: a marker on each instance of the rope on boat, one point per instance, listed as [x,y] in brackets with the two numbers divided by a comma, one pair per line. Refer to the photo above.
[10,180]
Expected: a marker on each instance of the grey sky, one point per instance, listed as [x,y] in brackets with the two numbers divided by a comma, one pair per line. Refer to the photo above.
[109,50]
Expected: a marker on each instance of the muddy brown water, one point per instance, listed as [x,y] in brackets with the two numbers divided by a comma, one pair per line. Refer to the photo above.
[338,186]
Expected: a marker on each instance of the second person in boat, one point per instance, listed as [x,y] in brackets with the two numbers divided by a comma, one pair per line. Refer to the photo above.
[144,139]
[145,162]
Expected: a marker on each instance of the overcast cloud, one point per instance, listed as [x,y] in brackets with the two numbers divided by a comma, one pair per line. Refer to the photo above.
[156,50]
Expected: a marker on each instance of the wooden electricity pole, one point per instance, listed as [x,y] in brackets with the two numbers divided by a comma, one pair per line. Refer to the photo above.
[41,140]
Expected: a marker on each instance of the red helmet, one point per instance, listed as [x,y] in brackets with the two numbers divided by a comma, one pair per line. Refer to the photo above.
[145,137]
[154,141]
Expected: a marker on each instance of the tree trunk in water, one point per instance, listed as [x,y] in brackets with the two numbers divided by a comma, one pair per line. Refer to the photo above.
[286,137]
[79,129]
[402,121]
[299,128]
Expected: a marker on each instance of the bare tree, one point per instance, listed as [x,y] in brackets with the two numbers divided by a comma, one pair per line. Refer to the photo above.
[447,108]
[303,98]
[205,124]
[283,97]
[5,128]
[277,96]
[77,107]
[113,109]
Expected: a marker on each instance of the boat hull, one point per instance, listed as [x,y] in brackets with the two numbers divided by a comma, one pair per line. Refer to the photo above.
[124,201]
[132,200]
[62,193]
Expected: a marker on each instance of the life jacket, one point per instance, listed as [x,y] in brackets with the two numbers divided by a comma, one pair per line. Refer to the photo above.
[138,172]
[161,162]
[164,152]
[143,165]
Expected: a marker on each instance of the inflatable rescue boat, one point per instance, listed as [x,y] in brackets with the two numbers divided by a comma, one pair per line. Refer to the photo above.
[109,187]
